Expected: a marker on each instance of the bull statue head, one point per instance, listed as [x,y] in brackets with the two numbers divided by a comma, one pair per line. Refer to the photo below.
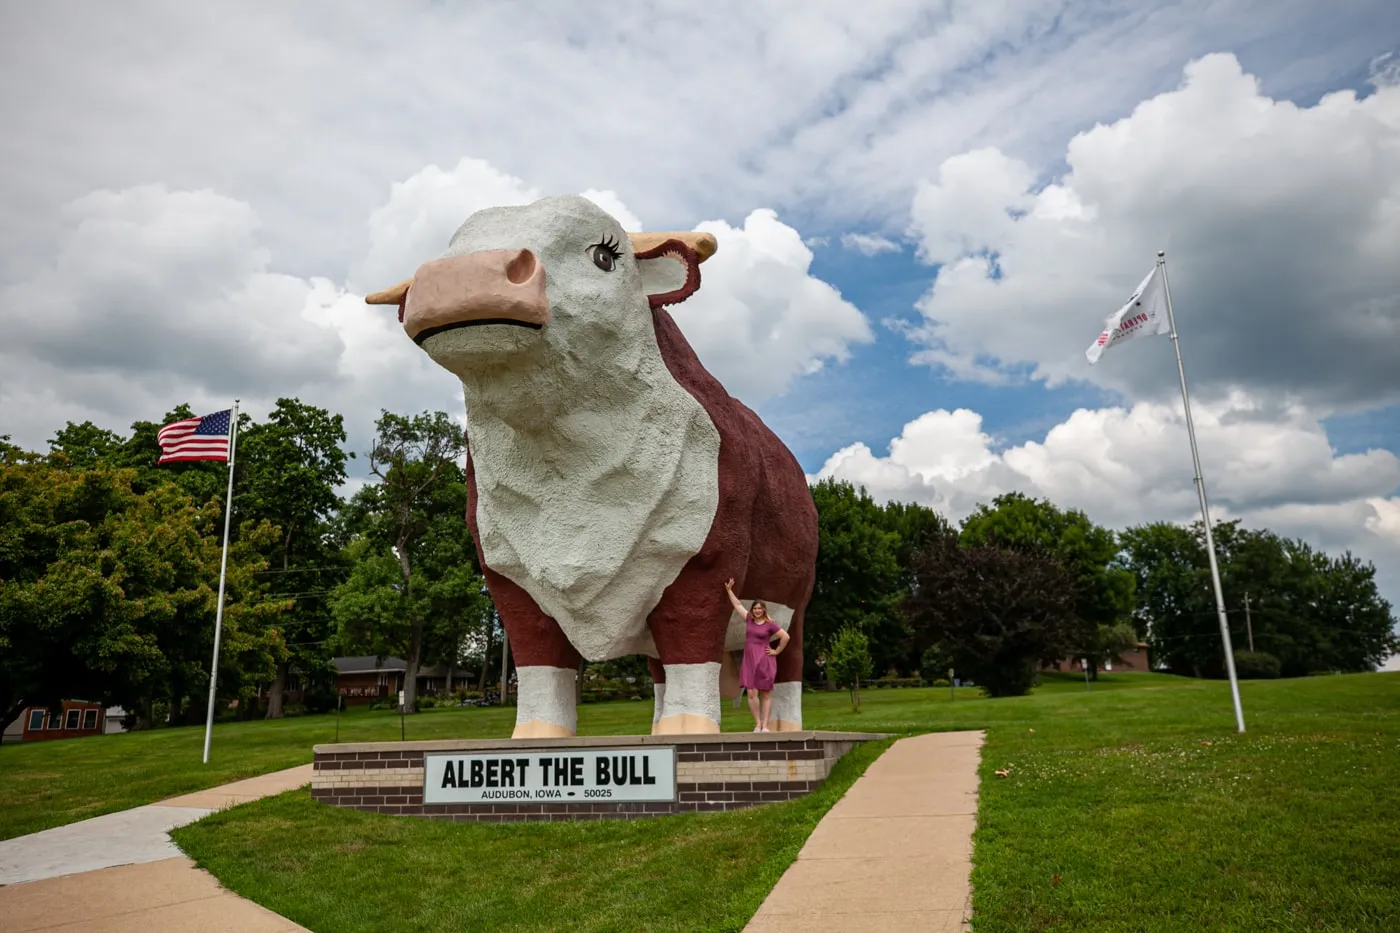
[541,283]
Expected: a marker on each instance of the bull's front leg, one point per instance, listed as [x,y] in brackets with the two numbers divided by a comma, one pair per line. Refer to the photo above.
[787,688]
[546,664]
[688,626]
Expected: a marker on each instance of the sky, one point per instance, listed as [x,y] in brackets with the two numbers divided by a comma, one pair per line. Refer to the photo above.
[925,211]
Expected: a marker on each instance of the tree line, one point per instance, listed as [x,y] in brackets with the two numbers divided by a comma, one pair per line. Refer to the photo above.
[109,570]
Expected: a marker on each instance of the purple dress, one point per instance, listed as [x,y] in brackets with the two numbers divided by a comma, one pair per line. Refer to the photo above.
[758,669]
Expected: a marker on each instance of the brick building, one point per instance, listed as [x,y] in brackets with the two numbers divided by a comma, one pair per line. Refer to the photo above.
[76,719]
[366,679]
[1134,660]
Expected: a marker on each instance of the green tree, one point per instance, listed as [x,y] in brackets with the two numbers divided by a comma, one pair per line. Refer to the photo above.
[109,593]
[858,575]
[1176,607]
[992,611]
[415,461]
[290,466]
[78,446]
[1089,552]
[83,445]
[1308,610]
[849,661]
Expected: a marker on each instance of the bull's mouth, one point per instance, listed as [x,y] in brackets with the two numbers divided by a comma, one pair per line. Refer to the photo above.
[480,322]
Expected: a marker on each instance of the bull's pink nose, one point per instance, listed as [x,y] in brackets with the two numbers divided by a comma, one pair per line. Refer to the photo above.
[494,286]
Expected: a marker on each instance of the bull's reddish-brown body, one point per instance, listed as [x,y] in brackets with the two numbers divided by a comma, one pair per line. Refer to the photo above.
[764,536]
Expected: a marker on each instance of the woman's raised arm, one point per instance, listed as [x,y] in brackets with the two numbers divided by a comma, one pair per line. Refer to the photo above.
[734,600]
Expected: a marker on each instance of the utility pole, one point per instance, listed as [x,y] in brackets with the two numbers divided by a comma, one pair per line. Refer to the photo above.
[1249,629]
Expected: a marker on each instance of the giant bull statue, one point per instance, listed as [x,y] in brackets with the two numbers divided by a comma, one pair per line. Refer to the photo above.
[613,484]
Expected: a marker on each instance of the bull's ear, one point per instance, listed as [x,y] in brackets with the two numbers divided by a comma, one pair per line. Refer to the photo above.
[670,272]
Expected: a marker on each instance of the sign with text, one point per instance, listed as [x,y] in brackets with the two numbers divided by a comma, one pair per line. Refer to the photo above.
[552,775]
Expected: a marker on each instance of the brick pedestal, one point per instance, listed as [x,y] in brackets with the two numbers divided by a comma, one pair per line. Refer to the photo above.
[713,772]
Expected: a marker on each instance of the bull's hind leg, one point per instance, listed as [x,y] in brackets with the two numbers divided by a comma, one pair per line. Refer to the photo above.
[546,664]
[658,684]
[787,688]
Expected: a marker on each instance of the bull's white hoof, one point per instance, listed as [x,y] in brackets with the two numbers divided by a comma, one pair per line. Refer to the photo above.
[546,707]
[685,724]
[787,706]
[535,729]
[691,700]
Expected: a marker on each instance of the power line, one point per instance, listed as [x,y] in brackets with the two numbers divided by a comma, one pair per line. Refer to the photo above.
[259,573]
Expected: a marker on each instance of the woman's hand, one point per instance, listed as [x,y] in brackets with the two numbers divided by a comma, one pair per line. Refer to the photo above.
[774,652]
[734,600]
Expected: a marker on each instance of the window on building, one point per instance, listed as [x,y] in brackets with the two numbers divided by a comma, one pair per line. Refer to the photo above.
[90,719]
[55,721]
[71,718]
[36,720]
[383,679]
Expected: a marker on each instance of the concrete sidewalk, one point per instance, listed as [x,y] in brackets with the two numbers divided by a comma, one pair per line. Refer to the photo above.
[895,853]
[121,872]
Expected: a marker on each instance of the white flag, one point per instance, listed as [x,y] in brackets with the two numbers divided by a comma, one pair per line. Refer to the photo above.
[1145,313]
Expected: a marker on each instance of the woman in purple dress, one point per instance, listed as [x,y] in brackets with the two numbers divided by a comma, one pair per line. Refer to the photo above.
[760,665]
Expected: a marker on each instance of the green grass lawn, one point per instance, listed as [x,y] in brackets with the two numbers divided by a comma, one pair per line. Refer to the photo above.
[44,784]
[1133,807]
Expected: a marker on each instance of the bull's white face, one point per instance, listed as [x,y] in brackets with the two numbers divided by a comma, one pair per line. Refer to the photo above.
[592,308]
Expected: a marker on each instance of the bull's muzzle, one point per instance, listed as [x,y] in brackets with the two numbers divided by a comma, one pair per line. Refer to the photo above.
[494,286]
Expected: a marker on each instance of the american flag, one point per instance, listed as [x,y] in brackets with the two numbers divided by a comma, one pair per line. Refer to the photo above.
[195,438]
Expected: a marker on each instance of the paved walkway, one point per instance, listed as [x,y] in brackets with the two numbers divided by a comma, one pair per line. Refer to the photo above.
[895,853]
[121,872]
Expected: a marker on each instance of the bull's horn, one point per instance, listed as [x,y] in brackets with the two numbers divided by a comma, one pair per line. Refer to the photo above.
[704,244]
[390,296]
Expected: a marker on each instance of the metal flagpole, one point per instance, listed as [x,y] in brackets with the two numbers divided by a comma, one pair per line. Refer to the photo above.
[1201,494]
[505,662]
[223,572]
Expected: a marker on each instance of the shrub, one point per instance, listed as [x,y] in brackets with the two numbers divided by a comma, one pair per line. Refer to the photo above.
[942,682]
[1257,665]
[320,701]
[849,661]
[896,682]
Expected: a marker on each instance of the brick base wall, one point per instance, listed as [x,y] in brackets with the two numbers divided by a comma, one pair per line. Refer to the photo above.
[718,772]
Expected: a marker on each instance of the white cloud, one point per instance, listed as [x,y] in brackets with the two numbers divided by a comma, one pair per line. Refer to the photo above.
[1133,464]
[761,319]
[869,244]
[1385,70]
[1125,466]
[1280,224]
[694,111]
[156,297]
[610,202]
[424,211]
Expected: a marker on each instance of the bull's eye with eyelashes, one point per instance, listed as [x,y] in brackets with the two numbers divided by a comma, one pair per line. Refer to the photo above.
[605,254]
